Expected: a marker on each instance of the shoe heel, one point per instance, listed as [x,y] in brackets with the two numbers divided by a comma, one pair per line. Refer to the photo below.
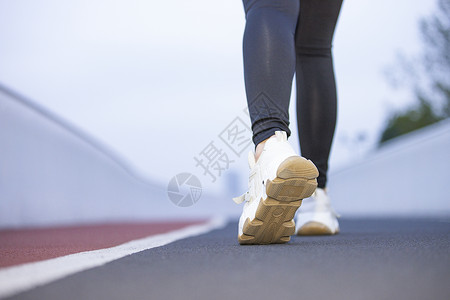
[296,179]
[315,228]
[297,166]
[291,189]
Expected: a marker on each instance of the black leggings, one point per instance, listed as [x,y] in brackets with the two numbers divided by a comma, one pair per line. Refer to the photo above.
[283,37]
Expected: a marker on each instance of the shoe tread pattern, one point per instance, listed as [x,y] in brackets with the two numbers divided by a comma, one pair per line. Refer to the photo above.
[273,222]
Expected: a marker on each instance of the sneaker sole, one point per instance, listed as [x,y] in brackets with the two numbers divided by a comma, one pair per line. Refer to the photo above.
[273,222]
[315,228]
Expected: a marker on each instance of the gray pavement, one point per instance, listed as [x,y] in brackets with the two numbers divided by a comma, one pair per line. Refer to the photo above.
[369,259]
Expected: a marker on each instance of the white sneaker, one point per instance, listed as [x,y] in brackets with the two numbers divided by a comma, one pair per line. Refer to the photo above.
[316,217]
[278,182]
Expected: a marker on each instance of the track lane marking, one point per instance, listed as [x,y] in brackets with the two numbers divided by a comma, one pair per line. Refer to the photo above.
[20,278]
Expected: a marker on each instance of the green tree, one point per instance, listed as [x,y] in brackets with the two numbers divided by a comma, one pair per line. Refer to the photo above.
[428,77]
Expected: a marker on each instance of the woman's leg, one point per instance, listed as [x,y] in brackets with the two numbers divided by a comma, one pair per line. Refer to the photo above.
[316,87]
[269,63]
[280,178]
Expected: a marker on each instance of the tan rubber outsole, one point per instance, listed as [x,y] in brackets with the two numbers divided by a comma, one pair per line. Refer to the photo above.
[315,228]
[273,223]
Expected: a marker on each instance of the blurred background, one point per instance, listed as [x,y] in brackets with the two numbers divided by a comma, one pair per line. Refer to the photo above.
[103,102]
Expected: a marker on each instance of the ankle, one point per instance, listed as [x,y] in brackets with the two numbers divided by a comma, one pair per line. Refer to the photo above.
[259,149]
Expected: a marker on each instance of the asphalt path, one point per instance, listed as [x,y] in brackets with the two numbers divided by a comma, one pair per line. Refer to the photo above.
[369,259]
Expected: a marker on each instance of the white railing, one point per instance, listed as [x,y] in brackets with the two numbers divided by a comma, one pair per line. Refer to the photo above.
[52,173]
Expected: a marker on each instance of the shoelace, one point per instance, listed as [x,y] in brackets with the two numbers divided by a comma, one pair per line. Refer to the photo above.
[251,189]
[242,198]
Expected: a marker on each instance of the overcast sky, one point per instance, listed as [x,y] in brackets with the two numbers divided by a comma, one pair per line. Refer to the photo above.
[157,81]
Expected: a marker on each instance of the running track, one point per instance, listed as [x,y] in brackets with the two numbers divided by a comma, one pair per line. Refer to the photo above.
[370,259]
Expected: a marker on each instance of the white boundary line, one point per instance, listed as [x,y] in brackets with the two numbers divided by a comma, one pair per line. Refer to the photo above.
[23,277]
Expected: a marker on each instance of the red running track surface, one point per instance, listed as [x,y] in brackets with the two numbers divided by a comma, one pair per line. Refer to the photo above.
[30,245]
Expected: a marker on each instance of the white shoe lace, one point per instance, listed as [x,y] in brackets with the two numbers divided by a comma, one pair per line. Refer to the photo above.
[250,194]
